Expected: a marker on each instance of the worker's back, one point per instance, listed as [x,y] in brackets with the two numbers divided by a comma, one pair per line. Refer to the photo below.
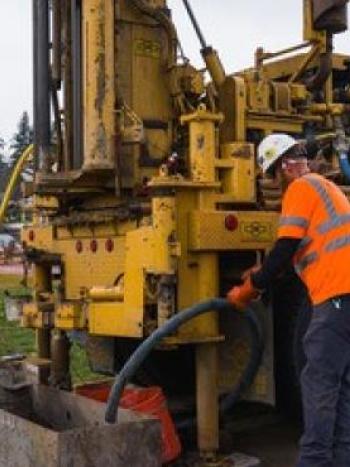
[316,210]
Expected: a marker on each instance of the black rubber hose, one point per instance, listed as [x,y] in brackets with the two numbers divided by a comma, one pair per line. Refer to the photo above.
[141,353]
[195,24]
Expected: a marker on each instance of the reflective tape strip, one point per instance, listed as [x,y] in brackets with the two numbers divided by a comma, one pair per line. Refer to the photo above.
[306,261]
[330,208]
[335,220]
[294,221]
[304,243]
[338,243]
[334,223]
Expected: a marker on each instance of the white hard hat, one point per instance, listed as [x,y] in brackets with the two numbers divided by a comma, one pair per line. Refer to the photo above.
[272,148]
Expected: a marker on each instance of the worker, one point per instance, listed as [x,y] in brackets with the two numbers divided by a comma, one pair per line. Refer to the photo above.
[314,235]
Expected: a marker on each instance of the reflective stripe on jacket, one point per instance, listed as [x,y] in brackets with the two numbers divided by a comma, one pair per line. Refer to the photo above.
[315,210]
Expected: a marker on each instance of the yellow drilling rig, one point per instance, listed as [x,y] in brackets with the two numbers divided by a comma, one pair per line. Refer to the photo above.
[147,198]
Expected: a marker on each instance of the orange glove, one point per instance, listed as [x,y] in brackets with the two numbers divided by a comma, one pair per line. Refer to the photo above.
[250,271]
[241,295]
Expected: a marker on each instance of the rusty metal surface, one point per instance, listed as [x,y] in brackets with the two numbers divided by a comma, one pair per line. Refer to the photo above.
[66,430]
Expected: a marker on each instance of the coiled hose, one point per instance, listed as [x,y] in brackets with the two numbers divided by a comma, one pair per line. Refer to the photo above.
[342,147]
[142,352]
[344,165]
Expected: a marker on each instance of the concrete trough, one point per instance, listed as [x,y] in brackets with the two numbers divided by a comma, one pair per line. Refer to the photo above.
[45,427]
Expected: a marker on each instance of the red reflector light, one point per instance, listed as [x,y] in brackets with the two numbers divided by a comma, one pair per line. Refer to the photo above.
[31,235]
[93,246]
[109,245]
[231,222]
[79,246]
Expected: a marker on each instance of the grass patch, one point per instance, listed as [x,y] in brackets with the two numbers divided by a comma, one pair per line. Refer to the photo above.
[80,367]
[14,339]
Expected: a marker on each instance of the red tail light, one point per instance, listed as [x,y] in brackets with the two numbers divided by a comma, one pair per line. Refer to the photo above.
[231,222]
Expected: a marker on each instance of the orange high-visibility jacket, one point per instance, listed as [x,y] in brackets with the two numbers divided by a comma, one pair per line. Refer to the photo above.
[316,211]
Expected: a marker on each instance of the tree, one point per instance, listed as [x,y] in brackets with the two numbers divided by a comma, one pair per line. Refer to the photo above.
[21,139]
[4,168]
[18,143]
[2,148]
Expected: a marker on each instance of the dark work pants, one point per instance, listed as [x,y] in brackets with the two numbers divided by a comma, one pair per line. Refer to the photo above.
[325,383]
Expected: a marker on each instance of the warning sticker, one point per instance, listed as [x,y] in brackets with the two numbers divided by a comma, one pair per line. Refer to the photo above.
[256,231]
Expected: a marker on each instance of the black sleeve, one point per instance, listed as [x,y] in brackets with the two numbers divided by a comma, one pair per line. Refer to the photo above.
[279,259]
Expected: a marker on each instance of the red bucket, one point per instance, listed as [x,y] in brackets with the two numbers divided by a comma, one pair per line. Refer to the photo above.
[96,391]
[150,401]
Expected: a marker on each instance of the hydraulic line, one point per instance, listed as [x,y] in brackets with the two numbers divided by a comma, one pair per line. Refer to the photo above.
[195,24]
[343,151]
[210,56]
[142,352]
[23,159]
[344,165]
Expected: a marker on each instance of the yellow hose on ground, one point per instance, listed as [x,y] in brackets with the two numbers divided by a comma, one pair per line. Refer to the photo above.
[23,159]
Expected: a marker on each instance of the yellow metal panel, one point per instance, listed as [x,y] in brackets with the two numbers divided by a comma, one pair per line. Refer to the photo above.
[105,228]
[233,104]
[88,269]
[37,315]
[45,202]
[259,95]
[270,124]
[147,48]
[114,319]
[255,230]
[142,56]
[298,92]
[208,287]
[202,148]
[147,61]
[197,274]
[202,143]
[42,239]
[69,316]
[164,210]
[148,250]
[239,182]
[149,56]
[137,252]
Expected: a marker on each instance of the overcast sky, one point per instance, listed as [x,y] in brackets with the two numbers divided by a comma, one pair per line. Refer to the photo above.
[234,28]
